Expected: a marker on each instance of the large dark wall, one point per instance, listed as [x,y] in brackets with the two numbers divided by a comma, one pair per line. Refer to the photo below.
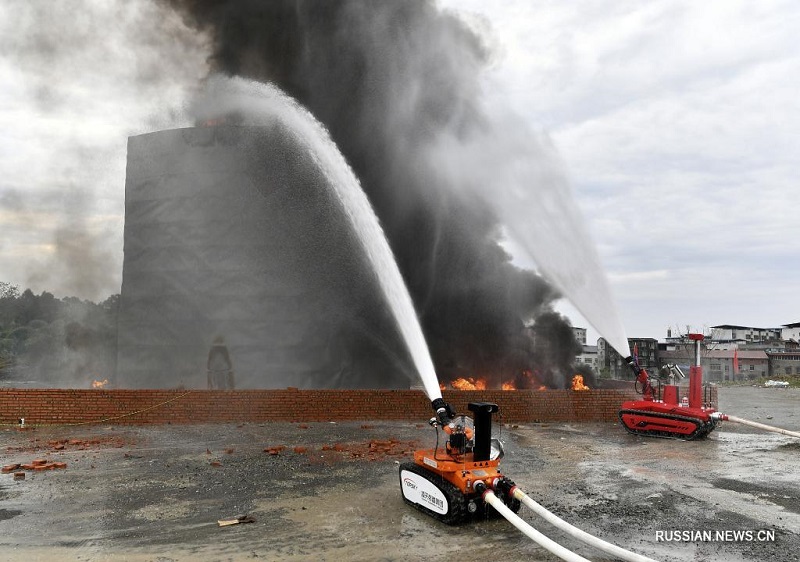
[232,233]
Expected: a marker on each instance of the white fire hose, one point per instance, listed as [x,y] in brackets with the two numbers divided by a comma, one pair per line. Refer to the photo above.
[574,532]
[548,544]
[723,417]
[530,532]
[566,554]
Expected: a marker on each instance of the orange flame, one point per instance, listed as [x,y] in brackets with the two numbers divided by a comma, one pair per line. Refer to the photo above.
[99,384]
[471,383]
[577,383]
[468,384]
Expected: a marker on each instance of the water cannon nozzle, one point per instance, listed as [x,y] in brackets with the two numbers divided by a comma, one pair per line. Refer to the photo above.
[444,412]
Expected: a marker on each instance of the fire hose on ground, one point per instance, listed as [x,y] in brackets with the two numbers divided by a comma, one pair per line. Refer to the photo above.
[548,544]
[765,427]
[564,553]
[576,533]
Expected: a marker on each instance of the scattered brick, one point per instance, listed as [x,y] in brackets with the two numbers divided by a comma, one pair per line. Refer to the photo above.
[216,463]
[274,450]
[9,468]
[301,450]
[19,476]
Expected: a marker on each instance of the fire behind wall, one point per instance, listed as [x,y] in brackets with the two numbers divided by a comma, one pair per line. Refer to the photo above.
[231,233]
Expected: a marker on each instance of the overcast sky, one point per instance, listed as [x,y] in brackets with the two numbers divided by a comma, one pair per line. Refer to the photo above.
[679,123]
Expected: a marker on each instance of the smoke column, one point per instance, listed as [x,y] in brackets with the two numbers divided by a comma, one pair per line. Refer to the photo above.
[397,84]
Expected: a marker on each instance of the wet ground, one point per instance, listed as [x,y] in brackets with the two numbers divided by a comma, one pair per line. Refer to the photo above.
[332,493]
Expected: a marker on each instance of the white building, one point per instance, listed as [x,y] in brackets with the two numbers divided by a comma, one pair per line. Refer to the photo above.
[791,332]
[589,356]
[745,334]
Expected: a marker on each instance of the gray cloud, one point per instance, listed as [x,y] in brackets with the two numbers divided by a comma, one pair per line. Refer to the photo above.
[677,122]
[78,78]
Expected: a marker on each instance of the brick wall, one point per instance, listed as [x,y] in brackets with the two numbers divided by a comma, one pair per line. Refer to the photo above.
[70,406]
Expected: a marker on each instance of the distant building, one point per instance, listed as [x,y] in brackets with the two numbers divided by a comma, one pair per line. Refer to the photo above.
[791,332]
[580,334]
[757,352]
[724,345]
[721,365]
[647,351]
[746,334]
[783,363]
[610,363]
[613,365]
[589,356]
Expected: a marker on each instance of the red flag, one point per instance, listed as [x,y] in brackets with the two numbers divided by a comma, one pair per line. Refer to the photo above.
[735,361]
[636,353]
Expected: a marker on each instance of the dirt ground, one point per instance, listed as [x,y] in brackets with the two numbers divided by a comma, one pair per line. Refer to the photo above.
[330,491]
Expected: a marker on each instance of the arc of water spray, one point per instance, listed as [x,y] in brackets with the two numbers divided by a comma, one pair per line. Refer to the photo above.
[259,101]
[528,189]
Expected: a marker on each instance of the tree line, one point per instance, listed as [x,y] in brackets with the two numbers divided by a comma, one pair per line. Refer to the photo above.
[65,341]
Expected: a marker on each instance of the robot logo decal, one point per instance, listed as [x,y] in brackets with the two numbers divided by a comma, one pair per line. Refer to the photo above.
[417,489]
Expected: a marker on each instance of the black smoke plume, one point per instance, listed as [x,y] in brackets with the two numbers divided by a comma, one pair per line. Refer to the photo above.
[386,78]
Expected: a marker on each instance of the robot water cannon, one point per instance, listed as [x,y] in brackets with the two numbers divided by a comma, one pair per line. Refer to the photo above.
[443,481]
[661,414]
[462,480]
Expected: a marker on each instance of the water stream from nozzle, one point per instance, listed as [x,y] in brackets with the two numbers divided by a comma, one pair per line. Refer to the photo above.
[520,176]
[258,100]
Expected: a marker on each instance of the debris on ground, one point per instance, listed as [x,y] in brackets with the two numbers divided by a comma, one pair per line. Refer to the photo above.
[371,450]
[73,444]
[236,521]
[37,465]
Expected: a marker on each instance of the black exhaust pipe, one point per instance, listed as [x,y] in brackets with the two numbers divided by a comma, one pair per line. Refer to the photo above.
[483,428]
